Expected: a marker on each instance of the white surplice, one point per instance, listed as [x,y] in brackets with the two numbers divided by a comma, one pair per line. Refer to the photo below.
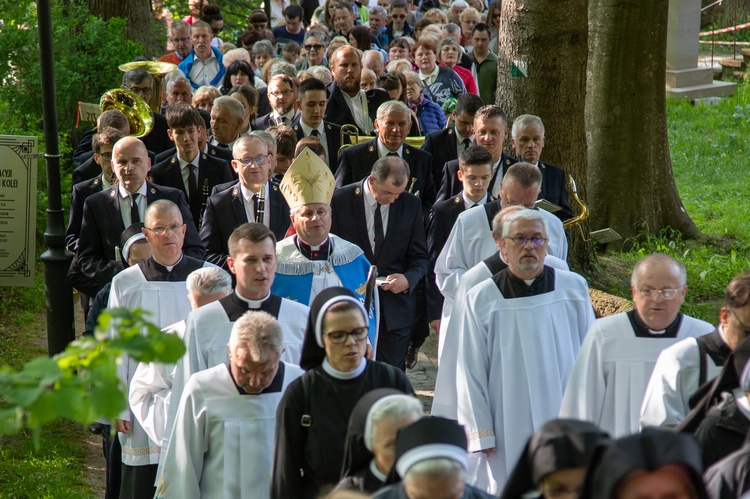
[611,373]
[222,444]
[515,358]
[444,401]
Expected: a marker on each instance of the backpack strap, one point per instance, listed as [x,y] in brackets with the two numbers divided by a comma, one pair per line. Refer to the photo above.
[702,354]
[306,419]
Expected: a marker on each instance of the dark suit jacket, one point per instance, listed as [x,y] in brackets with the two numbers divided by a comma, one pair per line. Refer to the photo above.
[211,172]
[217,152]
[450,185]
[265,121]
[102,226]
[90,169]
[81,191]
[355,163]
[225,212]
[553,188]
[443,217]
[333,141]
[443,147]
[404,250]
[158,140]
[264,105]
[338,111]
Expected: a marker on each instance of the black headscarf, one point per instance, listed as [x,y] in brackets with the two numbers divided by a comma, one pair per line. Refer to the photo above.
[313,353]
[356,454]
[558,445]
[128,238]
[649,450]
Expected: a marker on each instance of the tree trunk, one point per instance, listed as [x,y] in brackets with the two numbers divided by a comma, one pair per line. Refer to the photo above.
[629,168]
[138,16]
[542,71]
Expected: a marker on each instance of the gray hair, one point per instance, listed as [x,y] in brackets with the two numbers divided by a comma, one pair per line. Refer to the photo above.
[459,3]
[452,28]
[497,221]
[267,138]
[393,106]
[282,68]
[244,140]
[525,121]
[233,55]
[322,73]
[294,211]
[390,167]
[435,468]
[257,332]
[524,214]
[318,35]
[178,24]
[208,281]
[263,46]
[524,173]
[374,53]
[396,407]
[235,107]
[178,78]
[161,206]
[378,10]
[661,259]
[414,76]
[136,76]
[448,42]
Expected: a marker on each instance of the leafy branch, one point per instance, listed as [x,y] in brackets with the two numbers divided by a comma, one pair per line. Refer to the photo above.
[81,383]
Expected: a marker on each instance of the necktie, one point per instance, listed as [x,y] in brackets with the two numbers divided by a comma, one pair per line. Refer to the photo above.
[379,235]
[315,133]
[192,182]
[281,120]
[390,154]
[135,216]
[475,204]
[467,143]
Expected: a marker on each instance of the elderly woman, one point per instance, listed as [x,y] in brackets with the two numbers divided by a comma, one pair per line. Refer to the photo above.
[238,73]
[313,415]
[248,97]
[263,52]
[449,54]
[203,98]
[371,437]
[555,459]
[441,82]
[430,115]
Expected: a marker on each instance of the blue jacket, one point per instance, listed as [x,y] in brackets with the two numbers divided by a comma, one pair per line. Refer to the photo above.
[187,64]
[430,115]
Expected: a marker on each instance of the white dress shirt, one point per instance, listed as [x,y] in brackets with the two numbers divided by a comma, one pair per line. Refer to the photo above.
[203,72]
[125,203]
[384,151]
[307,131]
[185,172]
[247,196]
[358,107]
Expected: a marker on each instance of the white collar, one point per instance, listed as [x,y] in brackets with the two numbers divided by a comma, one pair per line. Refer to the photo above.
[335,373]
[183,163]
[289,116]
[306,129]
[252,303]
[369,198]
[169,267]
[247,193]
[383,151]
[434,73]
[376,472]
[124,193]
[469,203]
[460,138]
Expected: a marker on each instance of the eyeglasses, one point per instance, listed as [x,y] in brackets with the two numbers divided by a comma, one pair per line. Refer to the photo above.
[105,155]
[666,294]
[745,329]
[338,337]
[314,47]
[260,160]
[400,16]
[180,40]
[279,95]
[161,230]
[141,90]
[536,242]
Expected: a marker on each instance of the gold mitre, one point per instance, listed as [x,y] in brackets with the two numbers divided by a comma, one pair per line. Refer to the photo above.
[308,180]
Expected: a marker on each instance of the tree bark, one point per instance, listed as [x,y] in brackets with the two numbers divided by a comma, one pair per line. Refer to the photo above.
[138,16]
[548,39]
[631,186]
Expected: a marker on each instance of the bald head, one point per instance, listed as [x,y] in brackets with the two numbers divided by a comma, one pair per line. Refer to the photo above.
[130,163]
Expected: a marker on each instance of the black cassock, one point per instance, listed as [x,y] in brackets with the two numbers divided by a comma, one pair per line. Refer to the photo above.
[310,458]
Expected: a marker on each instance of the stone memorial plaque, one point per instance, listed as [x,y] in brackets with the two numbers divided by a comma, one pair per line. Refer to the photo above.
[18,191]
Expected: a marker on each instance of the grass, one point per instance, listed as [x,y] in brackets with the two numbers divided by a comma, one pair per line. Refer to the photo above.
[709,146]
[56,470]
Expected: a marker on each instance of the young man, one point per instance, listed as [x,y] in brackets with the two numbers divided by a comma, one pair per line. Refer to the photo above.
[282,95]
[193,172]
[292,29]
[312,101]
[475,172]
[286,139]
[485,62]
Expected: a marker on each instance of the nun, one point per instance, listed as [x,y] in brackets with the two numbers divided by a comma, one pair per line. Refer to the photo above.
[654,464]
[431,462]
[555,460]
[312,418]
[371,437]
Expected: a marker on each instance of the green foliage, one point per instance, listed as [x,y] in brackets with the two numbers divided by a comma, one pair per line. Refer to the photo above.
[81,383]
[87,52]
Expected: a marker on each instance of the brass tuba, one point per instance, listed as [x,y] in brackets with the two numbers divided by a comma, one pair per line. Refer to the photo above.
[135,109]
[583,215]
[158,70]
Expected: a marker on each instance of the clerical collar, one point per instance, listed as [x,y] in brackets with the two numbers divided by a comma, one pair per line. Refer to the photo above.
[384,151]
[168,267]
[335,373]
[376,472]
[511,286]
[155,271]
[275,387]
[643,331]
[320,252]
[236,306]
[252,304]
[495,263]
